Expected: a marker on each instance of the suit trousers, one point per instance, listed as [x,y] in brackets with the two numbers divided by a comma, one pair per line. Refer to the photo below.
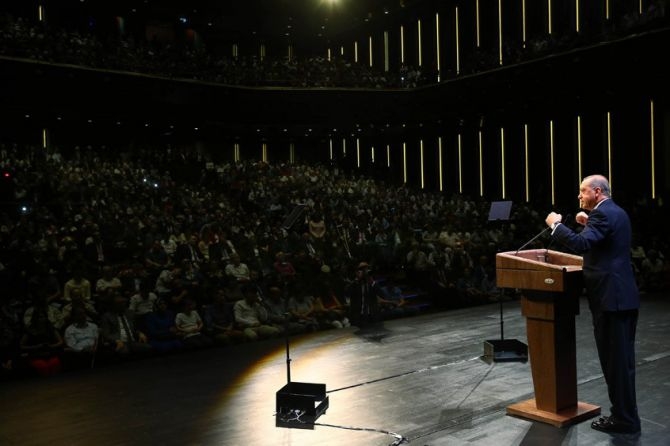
[615,341]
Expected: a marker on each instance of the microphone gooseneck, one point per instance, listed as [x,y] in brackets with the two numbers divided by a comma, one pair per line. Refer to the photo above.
[532,240]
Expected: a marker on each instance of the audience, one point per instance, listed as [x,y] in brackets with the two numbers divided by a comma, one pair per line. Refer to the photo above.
[232,212]
[22,38]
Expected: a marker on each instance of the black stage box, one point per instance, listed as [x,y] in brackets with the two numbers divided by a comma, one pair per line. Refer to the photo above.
[505,350]
[300,404]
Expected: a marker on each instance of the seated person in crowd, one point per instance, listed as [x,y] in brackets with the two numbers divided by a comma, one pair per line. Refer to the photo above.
[169,287]
[77,282]
[220,321]
[392,304]
[469,291]
[329,311]
[284,269]
[278,314]
[108,284]
[238,270]
[54,315]
[156,258]
[189,327]
[77,300]
[301,308]
[41,344]
[161,329]
[327,304]
[119,332]
[142,303]
[81,337]
[252,317]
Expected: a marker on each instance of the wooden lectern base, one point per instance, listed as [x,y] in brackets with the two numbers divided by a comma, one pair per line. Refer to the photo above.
[565,417]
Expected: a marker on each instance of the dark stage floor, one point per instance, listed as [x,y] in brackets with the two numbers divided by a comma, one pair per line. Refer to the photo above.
[418,380]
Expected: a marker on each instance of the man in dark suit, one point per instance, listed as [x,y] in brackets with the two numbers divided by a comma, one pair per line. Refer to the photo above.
[363,296]
[605,243]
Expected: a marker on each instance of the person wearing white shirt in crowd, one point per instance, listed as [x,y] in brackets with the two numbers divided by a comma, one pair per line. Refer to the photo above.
[189,327]
[142,303]
[81,335]
[251,316]
[78,282]
[237,269]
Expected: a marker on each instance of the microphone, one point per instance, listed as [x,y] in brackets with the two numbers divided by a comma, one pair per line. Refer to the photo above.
[567,217]
[532,240]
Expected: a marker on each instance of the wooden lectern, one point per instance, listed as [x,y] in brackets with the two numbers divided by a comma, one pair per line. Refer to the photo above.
[550,284]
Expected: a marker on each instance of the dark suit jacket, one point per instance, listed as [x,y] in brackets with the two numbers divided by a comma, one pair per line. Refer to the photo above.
[364,299]
[605,245]
[111,329]
[183,252]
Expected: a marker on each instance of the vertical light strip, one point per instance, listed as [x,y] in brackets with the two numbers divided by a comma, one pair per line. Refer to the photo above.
[236,152]
[356,51]
[437,43]
[402,44]
[291,153]
[460,164]
[418,30]
[40,13]
[342,50]
[481,165]
[330,148]
[577,17]
[262,51]
[440,161]
[423,183]
[458,45]
[653,150]
[358,153]
[523,22]
[477,20]
[549,18]
[328,55]
[264,152]
[607,9]
[526,162]
[45,142]
[370,50]
[404,162]
[344,147]
[372,154]
[502,161]
[386,51]
[551,158]
[640,8]
[236,50]
[579,148]
[388,155]
[609,149]
[500,34]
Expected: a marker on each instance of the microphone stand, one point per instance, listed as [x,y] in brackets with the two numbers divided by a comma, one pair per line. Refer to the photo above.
[503,350]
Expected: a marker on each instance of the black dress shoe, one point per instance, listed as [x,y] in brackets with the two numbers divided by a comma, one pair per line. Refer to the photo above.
[607,424]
